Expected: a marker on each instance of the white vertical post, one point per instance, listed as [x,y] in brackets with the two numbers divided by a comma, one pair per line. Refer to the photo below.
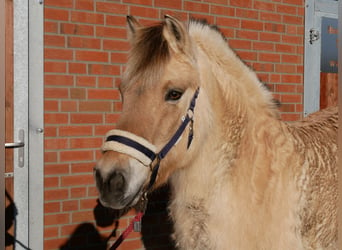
[36,124]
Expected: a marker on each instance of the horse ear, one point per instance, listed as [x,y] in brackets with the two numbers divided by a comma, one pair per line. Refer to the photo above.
[175,34]
[132,24]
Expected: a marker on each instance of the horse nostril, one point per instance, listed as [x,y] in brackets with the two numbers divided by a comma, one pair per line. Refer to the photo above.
[116,182]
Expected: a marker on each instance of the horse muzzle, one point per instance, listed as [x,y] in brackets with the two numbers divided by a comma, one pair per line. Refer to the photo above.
[119,180]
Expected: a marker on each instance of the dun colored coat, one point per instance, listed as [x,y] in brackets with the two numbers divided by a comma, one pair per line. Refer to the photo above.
[248,180]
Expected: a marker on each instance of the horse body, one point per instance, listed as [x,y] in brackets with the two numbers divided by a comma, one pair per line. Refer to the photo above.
[248,180]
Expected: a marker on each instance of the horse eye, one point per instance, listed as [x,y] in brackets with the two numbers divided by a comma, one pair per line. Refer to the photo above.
[173,95]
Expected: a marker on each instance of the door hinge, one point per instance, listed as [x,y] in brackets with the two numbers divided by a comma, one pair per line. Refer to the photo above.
[313,35]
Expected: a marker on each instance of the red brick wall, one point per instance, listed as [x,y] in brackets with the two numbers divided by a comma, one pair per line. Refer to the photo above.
[85,52]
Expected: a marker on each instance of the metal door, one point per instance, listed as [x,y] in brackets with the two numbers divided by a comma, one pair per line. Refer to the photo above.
[320,59]
[21,88]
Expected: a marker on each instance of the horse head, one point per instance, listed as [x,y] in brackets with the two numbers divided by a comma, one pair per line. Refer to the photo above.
[159,89]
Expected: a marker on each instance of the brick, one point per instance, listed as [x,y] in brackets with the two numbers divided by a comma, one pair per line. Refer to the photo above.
[51,232]
[117,45]
[247,13]
[87,17]
[243,4]
[79,118]
[88,203]
[261,5]
[282,8]
[76,155]
[229,22]
[84,167]
[285,68]
[50,27]
[222,10]
[174,4]
[77,180]
[101,94]
[81,42]
[114,20]
[56,194]
[56,118]
[111,8]
[55,67]
[263,46]
[70,205]
[95,106]
[82,216]
[291,98]
[60,3]
[56,14]
[50,131]
[54,243]
[92,56]
[56,93]
[55,219]
[52,207]
[86,81]
[139,2]
[101,69]
[83,143]
[196,7]
[111,32]
[81,130]
[252,25]
[85,5]
[112,118]
[56,169]
[59,80]
[274,27]
[56,143]
[78,192]
[144,12]
[292,39]
[240,44]
[58,54]
[293,19]
[69,106]
[77,68]
[54,40]
[247,34]
[269,57]
[77,29]
[51,182]
[273,17]
[271,37]
[101,130]
[51,105]
[77,93]
[50,157]
[118,57]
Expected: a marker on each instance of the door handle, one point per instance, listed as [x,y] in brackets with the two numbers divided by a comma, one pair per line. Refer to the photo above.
[20,145]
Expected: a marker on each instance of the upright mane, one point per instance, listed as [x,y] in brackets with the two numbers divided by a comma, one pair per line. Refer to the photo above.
[226,64]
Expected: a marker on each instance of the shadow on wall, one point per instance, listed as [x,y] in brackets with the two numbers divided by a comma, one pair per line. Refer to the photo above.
[156,226]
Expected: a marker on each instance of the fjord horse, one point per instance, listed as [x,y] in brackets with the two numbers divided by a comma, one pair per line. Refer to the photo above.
[196,116]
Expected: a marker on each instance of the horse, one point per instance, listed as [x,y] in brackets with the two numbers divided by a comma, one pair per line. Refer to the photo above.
[196,117]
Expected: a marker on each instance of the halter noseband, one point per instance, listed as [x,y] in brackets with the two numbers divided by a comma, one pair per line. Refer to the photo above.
[145,152]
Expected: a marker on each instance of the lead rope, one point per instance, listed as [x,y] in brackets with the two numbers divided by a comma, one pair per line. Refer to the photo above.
[135,224]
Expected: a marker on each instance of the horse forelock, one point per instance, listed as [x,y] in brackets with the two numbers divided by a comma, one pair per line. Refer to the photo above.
[148,56]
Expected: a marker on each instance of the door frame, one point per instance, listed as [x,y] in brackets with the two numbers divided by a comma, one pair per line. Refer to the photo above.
[2,123]
[28,111]
[314,11]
